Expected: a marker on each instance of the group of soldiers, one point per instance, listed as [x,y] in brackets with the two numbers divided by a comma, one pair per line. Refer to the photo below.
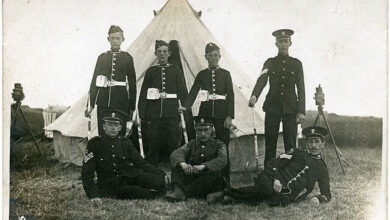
[199,168]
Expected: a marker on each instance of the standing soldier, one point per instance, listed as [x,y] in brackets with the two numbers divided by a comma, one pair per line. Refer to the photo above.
[161,89]
[282,103]
[215,89]
[114,82]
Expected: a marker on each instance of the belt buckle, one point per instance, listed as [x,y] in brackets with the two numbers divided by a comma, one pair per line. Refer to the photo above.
[163,95]
[110,83]
[214,96]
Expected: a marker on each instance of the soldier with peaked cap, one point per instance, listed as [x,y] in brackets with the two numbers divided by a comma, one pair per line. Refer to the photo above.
[121,171]
[215,88]
[161,89]
[197,166]
[288,178]
[114,82]
[282,103]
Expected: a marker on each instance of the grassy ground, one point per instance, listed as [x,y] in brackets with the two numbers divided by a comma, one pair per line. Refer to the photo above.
[56,193]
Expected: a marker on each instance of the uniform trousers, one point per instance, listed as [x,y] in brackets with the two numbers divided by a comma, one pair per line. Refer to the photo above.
[272,123]
[261,191]
[144,186]
[160,129]
[198,185]
[223,134]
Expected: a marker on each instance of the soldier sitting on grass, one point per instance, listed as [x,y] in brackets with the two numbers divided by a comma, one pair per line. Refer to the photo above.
[197,166]
[288,178]
[121,171]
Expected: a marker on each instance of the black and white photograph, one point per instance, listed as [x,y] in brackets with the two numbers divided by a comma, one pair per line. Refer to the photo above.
[195,109]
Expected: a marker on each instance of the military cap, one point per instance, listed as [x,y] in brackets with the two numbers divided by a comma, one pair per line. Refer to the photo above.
[113,115]
[114,29]
[210,47]
[160,43]
[283,33]
[314,131]
[203,120]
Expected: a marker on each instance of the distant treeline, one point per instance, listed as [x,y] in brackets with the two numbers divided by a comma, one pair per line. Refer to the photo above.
[34,118]
[351,131]
[347,130]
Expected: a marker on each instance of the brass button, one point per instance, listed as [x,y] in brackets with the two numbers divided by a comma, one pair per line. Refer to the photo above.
[201,155]
[284,68]
[113,155]
[163,68]
[112,145]
[281,93]
[284,61]
[202,146]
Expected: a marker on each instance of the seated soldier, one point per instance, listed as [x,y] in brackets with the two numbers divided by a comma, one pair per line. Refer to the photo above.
[197,166]
[288,178]
[121,171]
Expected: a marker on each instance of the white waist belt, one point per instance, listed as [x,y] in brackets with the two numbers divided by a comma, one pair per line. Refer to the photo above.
[216,97]
[164,95]
[116,83]
[161,95]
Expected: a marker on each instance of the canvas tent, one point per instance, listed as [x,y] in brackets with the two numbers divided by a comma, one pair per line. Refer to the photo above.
[176,20]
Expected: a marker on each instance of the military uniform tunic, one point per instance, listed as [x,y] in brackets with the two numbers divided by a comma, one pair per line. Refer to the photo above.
[215,81]
[298,173]
[121,171]
[212,154]
[282,103]
[118,66]
[168,79]
[162,113]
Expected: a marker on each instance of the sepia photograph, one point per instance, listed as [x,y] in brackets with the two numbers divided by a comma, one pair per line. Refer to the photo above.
[195,109]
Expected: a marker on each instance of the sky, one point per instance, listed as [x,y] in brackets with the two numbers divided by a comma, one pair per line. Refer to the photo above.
[51,47]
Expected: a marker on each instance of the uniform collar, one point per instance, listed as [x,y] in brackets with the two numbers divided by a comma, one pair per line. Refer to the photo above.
[165,65]
[115,51]
[104,136]
[215,68]
[316,157]
[283,56]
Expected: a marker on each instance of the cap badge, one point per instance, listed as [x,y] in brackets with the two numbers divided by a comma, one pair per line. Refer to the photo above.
[211,44]
[113,114]
[283,33]
[312,131]
[202,120]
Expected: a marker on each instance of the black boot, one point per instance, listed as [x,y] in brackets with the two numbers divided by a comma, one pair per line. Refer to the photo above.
[177,195]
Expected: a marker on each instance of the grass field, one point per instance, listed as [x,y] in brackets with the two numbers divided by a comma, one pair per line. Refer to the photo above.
[56,193]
